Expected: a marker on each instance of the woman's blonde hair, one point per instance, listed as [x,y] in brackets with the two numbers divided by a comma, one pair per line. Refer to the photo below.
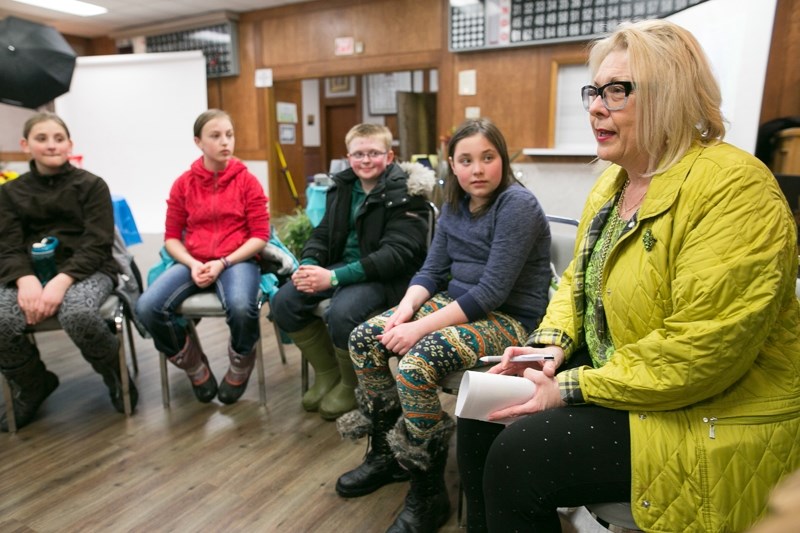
[677,97]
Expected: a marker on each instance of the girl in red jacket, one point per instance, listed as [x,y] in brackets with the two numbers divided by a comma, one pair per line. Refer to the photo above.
[217,221]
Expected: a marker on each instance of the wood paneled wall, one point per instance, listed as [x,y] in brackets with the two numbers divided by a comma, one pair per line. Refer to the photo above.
[782,88]
[513,90]
[397,35]
[297,42]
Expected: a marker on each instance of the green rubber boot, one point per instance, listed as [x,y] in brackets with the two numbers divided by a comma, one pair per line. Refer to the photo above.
[316,346]
[341,399]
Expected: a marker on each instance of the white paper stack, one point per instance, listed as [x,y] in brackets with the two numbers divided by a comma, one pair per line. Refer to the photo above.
[481,393]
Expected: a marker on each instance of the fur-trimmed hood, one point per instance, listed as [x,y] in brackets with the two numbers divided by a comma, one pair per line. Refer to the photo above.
[421,179]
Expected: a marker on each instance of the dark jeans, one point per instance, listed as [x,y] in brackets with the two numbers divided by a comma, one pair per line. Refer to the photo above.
[237,288]
[350,306]
[515,476]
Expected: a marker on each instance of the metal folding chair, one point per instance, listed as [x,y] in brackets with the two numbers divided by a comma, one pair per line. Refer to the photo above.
[206,305]
[112,311]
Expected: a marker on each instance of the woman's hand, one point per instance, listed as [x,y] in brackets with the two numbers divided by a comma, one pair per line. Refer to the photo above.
[402,337]
[546,396]
[38,303]
[202,274]
[311,278]
[402,314]
[208,273]
[53,294]
[29,291]
[507,367]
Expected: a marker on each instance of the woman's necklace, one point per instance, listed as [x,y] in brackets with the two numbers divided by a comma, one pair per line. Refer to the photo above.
[625,213]
[613,228]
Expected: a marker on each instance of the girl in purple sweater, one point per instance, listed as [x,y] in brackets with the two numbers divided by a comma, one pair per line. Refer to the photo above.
[482,288]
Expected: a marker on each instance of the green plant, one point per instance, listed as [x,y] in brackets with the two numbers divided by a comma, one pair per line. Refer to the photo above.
[294,230]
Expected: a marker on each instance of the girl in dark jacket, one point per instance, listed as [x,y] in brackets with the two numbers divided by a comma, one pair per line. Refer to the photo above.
[72,207]
[217,222]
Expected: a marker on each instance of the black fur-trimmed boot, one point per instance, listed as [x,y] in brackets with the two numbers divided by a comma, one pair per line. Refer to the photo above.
[235,381]
[427,505]
[373,418]
[194,362]
[30,385]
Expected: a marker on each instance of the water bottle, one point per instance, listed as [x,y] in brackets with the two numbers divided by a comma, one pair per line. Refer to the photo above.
[43,255]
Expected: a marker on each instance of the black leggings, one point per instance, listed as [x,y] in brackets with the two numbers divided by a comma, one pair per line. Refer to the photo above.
[515,477]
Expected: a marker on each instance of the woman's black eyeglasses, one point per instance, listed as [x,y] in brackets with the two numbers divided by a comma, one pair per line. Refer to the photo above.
[614,95]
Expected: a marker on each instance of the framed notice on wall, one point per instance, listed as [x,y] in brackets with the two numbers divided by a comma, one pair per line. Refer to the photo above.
[382,91]
[483,24]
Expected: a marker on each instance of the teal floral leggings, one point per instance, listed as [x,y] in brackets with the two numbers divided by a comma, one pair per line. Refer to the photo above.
[427,362]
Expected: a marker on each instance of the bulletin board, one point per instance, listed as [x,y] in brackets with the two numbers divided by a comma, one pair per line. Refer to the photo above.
[488,24]
[382,91]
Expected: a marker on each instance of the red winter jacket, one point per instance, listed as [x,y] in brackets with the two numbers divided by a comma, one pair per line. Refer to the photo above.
[214,213]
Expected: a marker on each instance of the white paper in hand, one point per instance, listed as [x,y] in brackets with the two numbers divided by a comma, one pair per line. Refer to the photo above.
[481,393]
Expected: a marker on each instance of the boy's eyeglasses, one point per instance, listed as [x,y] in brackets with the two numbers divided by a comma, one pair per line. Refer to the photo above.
[614,95]
[373,154]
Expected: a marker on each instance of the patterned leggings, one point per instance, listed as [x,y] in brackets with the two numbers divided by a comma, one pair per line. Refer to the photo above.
[427,362]
[78,315]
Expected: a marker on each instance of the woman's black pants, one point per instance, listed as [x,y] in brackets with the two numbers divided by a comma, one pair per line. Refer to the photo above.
[515,476]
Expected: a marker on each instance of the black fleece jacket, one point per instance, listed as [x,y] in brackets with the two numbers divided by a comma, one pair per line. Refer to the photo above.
[74,206]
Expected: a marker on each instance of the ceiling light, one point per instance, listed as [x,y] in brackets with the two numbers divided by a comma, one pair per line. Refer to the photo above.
[73,7]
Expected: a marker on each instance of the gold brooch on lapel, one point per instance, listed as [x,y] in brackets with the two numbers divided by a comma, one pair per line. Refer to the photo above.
[648,240]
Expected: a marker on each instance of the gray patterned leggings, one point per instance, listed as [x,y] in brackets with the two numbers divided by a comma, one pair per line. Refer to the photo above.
[78,315]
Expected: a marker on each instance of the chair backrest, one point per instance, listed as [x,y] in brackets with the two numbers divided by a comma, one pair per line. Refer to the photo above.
[563,232]
[433,214]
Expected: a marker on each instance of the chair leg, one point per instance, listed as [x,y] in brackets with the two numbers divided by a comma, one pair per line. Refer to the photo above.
[262,382]
[123,366]
[162,365]
[303,373]
[132,347]
[12,421]
[281,351]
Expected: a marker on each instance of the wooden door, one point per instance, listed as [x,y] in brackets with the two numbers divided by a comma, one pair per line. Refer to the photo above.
[282,199]
[338,121]
[416,124]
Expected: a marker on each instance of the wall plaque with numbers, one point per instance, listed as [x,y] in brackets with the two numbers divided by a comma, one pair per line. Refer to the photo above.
[487,24]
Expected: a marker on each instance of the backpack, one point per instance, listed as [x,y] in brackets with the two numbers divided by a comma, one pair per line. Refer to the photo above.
[129,280]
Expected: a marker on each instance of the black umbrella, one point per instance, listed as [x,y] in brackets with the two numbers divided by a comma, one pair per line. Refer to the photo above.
[36,63]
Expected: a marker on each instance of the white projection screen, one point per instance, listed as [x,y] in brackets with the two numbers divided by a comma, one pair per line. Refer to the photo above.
[131,119]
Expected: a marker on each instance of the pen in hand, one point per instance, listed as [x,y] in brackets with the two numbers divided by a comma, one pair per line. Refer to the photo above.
[518,359]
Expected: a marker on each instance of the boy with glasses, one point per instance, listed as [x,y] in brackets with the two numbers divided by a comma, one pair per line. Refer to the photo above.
[362,254]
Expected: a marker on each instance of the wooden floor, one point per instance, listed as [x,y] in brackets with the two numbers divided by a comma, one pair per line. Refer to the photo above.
[81,466]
